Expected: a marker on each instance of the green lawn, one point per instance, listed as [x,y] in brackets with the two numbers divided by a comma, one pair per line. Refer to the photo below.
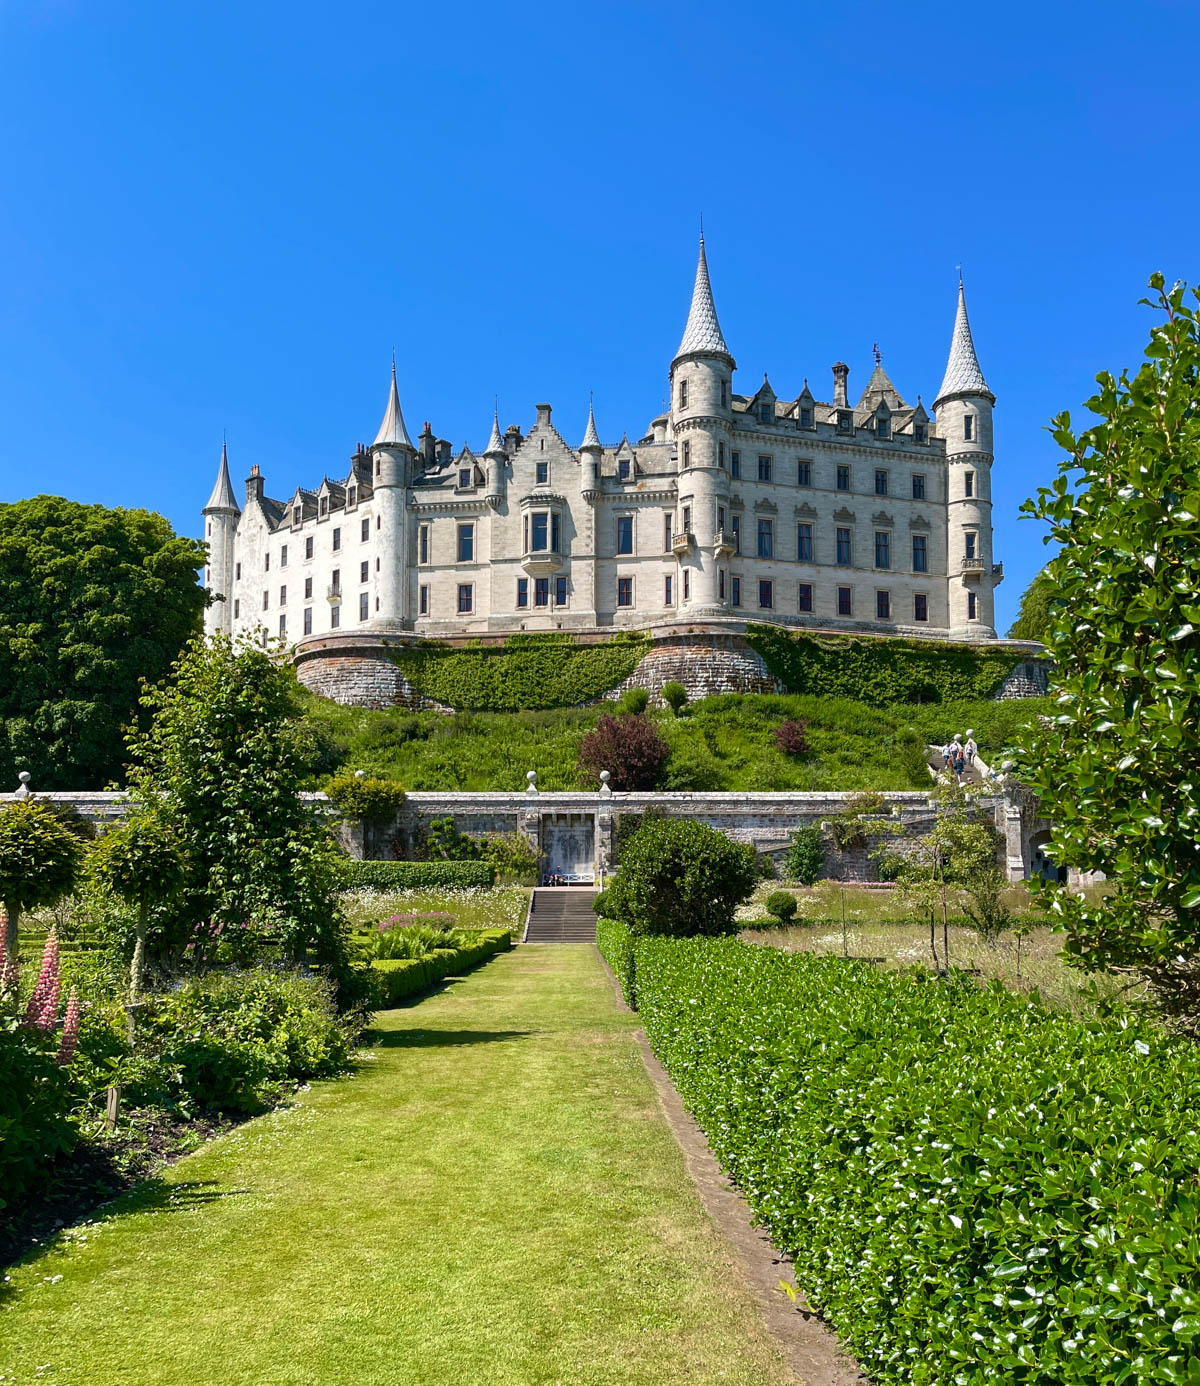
[493,1198]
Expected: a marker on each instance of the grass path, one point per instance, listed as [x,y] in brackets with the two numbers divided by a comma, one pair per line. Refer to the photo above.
[494,1200]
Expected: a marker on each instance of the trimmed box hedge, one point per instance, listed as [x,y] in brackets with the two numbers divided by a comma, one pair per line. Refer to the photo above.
[393,979]
[973,1188]
[419,875]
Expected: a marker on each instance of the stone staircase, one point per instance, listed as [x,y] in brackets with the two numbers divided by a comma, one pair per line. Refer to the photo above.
[561,914]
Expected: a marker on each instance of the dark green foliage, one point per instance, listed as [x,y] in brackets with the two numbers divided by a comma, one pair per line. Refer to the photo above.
[395,979]
[781,905]
[372,799]
[973,1189]
[39,860]
[418,875]
[629,747]
[681,877]
[1115,765]
[92,600]
[530,671]
[880,672]
[1036,613]
[615,943]
[35,1110]
[805,858]
[850,827]
[674,695]
[511,854]
[635,700]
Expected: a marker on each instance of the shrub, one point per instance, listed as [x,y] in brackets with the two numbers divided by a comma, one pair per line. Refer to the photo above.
[635,701]
[371,798]
[416,939]
[681,877]
[781,905]
[674,695]
[615,943]
[39,861]
[791,737]
[629,748]
[805,858]
[35,1110]
[419,875]
[972,1188]
[395,979]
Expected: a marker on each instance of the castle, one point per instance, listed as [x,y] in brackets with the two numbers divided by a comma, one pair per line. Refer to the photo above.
[871,516]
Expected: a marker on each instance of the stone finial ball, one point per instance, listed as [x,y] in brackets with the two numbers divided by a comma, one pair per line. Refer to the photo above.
[24,777]
[604,777]
[531,776]
[360,774]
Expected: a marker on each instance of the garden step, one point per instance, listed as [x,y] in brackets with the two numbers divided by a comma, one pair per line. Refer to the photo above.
[561,914]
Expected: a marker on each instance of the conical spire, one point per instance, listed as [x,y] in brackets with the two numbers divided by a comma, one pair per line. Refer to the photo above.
[392,431]
[222,497]
[880,387]
[591,439]
[963,376]
[703,332]
[495,443]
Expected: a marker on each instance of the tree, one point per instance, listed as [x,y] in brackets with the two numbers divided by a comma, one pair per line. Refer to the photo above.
[792,737]
[629,747]
[682,878]
[1035,614]
[781,905]
[224,760]
[39,861]
[805,858]
[92,601]
[674,695]
[1115,763]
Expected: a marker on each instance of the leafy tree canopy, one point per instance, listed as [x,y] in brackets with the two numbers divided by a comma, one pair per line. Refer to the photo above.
[1116,762]
[1035,612]
[39,860]
[92,600]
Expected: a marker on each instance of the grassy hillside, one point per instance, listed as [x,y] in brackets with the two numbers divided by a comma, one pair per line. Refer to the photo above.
[720,743]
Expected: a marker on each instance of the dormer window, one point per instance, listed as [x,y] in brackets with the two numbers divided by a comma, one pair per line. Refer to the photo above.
[883,426]
[297,514]
[623,469]
[464,478]
[766,412]
[921,433]
[352,496]
[845,421]
[323,505]
[806,416]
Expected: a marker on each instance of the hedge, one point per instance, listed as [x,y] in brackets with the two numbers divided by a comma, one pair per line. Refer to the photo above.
[615,943]
[973,1188]
[392,979]
[527,672]
[881,671]
[419,875]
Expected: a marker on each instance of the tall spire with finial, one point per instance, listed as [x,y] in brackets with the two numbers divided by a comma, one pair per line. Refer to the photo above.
[703,332]
[495,443]
[222,497]
[591,439]
[392,431]
[963,375]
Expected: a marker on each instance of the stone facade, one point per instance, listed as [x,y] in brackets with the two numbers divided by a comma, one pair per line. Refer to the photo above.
[867,516]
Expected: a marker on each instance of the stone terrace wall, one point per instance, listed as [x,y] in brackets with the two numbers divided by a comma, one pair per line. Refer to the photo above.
[705,666]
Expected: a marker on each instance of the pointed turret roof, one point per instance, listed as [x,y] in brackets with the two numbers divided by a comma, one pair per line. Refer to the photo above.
[222,497]
[495,443]
[880,387]
[392,431]
[963,376]
[703,332]
[591,439]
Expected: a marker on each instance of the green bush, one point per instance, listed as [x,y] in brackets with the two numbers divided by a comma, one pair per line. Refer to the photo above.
[615,943]
[781,905]
[674,695]
[534,671]
[373,799]
[419,875]
[880,672]
[635,701]
[805,858]
[35,1110]
[972,1188]
[393,979]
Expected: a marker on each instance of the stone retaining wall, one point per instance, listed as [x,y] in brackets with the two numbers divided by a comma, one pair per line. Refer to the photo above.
[716,664]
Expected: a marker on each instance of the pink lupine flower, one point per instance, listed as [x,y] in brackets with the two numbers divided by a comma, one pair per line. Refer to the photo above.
[42,1011]
[70,1032]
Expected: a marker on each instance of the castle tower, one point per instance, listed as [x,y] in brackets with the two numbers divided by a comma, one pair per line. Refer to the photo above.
[392,454]
[964,419]
[221,516]
[590,451]
[701,413]
[495,459]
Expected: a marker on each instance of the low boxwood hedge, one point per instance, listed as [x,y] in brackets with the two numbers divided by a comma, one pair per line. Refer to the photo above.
[393,979]
[419,875]
[973,1188]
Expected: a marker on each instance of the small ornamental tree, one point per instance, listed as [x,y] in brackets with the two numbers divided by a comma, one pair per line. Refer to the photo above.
[674,695]
[635,701]
[781,905]
[805,856]
[791,737]
[629,748]
[681,878]
[371,798]
[39,861]
[1115,763]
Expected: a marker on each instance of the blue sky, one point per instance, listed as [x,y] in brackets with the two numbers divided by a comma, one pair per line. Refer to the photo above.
[221,216]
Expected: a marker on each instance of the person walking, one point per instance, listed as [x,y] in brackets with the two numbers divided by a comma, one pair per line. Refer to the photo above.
[958,761]
[970,749]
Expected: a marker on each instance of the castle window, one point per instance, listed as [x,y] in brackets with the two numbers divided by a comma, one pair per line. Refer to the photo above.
[721,518]
[335,583]
[735,465]
[844,604]
[687,454]
[297,514]
[843,477]
[736,594]
[971,540]
[683,395]
[522,592]
[365,531]
[881,481]
[920,554]
[764,469]
[237,572]
[804,598]
[883,549]
[624,534]
[804,549]
[668,591]
[266,563]
[323,506]
[266,600]
[721,583]
[766,412]
[918,487]
[337,540]
[283,557]
[721,455]
[845,421]
[687,585]
[668,530]
[237,608]
[540,526]
[972,607]
[466,543]
[308,620]
[423,544]
[623,469]
[542,444]
[542,472]
[352,496]
[541,592]
[883,606]
[624,591]
[765,538]
[308,589]
[687,519]
[465,598]
[806,416]
[724,394]
[735,528]
[921,433]
[308,547]
[883,426]
[364,606]
[464,478]
[843,548]
[968,427]
[766,594]
[560,591]
[968,484]
[423,600]
[804,473]
[364,572]
[335,617]
[282,626]
[920,607]
[283,596]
